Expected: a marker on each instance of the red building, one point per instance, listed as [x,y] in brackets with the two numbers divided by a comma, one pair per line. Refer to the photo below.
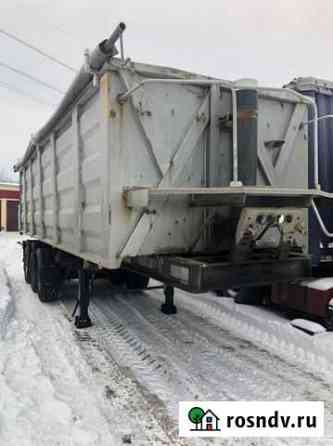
[9,206]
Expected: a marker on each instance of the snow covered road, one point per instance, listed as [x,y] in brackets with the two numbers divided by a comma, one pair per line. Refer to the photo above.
[120,381]
[50,394]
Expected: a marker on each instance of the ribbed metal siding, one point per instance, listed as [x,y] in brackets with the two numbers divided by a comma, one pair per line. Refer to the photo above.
[322,92]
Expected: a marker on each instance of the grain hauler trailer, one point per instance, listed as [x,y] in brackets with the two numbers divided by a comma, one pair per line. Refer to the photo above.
[146,171]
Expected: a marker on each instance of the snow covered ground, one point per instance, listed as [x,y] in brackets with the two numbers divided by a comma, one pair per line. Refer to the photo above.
[120,381]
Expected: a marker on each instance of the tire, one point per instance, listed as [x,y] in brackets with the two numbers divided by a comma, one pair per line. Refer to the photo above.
[135,281]
[252,295]
[227,292]
[118,277]
[33,270]
[26,262]
[45,293]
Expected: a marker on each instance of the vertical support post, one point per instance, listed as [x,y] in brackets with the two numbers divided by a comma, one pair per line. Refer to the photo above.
[247,135]
[83,319]
[54,189]
[169,307]
[32,207]
[24,210]
[122,54]
[212,150]
[77,229]
[20,215]
[40,192]
[235,181]
[213,179]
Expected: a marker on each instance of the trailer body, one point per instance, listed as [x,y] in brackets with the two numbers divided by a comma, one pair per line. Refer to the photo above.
[195,181]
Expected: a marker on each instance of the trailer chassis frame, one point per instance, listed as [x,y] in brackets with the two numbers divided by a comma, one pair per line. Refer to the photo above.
[200,274]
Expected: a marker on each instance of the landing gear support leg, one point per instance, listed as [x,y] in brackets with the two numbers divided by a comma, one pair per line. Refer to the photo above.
[83,319]
[169,307]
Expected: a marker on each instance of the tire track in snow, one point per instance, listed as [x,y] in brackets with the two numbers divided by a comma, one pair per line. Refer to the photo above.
[278,340]
[162,335]
[72,382]
[6,302]
[110,338]
[185,321]
[210,336]
[122,389]
[40,335]
[106,337]
[286,379]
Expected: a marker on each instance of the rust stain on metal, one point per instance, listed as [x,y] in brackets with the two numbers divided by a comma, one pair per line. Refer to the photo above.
[247,114]
[104,89]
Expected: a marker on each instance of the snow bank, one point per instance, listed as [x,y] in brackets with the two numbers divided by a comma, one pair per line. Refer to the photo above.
[261,326]
[6,303]
[323,284]
[308,326]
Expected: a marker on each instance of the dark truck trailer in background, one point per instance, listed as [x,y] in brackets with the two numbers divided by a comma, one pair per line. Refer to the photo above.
[321,91]
[314,298]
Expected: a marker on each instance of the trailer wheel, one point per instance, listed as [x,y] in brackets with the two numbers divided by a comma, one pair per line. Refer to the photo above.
[252,295]
[33,270]
[45,293]
[135,281]
[26,262]
[117,277]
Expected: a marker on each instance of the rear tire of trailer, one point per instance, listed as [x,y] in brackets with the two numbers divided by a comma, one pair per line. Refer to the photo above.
[135,281]
[252,295]
[117,277]
[45,293]
[26,262]
[33,270]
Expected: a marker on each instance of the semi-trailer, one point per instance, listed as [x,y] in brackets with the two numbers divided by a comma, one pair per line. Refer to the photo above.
[146,172]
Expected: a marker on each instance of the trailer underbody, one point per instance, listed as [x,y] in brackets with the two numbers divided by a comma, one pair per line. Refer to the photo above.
[47,268]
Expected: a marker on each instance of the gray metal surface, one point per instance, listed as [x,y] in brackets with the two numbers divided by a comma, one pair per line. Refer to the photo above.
[203,274]
[173,138]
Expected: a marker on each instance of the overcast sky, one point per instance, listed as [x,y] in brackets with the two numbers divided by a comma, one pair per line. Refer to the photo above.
[272,41]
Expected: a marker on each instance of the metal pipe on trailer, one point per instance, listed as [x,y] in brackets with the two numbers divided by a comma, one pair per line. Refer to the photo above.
[313,205]
[235,181]
[320,221]
[318,119]
[95,61]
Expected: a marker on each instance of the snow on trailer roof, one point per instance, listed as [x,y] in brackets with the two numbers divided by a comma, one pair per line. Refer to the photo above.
[310,83]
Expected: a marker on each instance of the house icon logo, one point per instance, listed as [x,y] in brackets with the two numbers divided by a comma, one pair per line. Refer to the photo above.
[205,421]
